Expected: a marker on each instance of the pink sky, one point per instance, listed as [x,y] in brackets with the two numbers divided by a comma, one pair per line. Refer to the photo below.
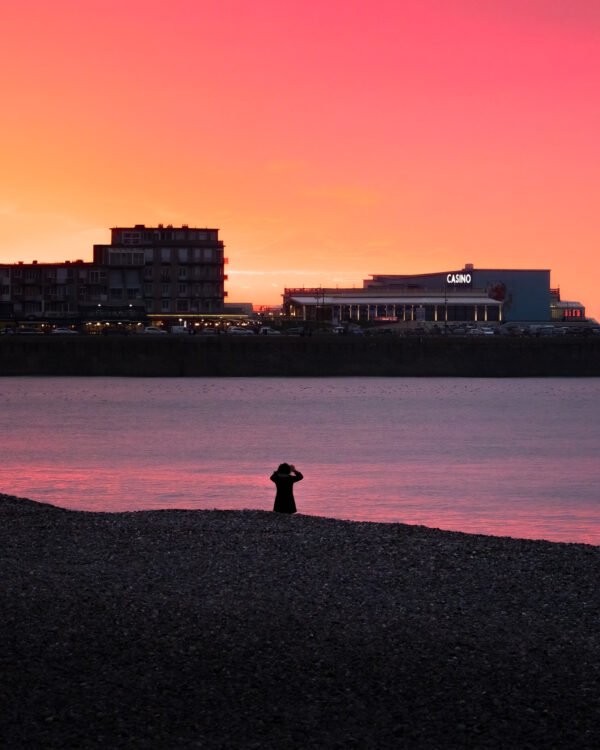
[326,140]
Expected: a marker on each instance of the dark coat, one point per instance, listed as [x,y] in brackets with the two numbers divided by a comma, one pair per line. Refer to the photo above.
[284,498]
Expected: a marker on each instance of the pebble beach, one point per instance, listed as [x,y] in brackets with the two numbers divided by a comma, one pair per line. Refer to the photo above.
[249,629]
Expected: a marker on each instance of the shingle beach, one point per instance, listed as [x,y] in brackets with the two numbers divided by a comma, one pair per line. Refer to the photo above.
[248,629]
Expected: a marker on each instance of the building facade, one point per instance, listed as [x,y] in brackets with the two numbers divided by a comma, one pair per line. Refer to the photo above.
[469,295]
[161,271]
[171,270]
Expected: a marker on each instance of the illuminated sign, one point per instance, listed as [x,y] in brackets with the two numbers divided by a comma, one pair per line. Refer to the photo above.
[458,278]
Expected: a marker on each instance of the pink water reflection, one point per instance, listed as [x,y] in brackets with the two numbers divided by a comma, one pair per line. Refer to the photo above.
[122,488]
[515,458]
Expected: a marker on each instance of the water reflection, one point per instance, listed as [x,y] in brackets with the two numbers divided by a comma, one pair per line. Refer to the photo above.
[510,457]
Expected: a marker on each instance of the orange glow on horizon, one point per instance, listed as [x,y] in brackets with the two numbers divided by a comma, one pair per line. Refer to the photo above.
[327,141]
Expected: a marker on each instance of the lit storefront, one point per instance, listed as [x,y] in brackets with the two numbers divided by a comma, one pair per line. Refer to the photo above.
[377,307]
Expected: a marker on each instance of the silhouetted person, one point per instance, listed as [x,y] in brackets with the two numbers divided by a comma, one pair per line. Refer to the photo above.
[284,479]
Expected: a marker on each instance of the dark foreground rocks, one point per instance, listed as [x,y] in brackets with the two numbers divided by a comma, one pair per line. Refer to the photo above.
[245,629]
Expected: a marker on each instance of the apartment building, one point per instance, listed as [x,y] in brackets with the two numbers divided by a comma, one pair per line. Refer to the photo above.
[144,271]
[172,270]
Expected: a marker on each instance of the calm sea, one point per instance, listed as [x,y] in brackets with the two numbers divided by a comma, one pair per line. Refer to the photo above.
[516,457]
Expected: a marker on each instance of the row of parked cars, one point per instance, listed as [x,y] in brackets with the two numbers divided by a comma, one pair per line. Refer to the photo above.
[32,331]
[501,329]
[547,329]
[454,329]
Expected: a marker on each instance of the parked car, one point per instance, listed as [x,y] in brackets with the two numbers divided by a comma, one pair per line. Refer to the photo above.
[63,330]
[267,331]
[239,331]
[511,329]
[154,330]
[543,330]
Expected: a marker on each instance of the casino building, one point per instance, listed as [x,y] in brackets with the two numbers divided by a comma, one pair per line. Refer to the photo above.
[469,295]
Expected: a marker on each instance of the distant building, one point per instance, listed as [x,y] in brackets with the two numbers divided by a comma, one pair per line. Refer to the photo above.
[468,295]
[238,308]
[161,271]
[564,310]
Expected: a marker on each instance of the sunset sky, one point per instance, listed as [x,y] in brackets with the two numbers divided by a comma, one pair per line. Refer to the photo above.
[327,139]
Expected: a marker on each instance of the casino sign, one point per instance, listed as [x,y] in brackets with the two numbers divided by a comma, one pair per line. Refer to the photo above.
[458,278]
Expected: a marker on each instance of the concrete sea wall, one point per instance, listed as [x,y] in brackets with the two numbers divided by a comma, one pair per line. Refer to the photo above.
[164,356]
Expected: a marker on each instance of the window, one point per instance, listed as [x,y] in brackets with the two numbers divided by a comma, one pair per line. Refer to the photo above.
[166,290]
[165,305]
[182,272]
[183,289]
[126,259]
[131,238]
